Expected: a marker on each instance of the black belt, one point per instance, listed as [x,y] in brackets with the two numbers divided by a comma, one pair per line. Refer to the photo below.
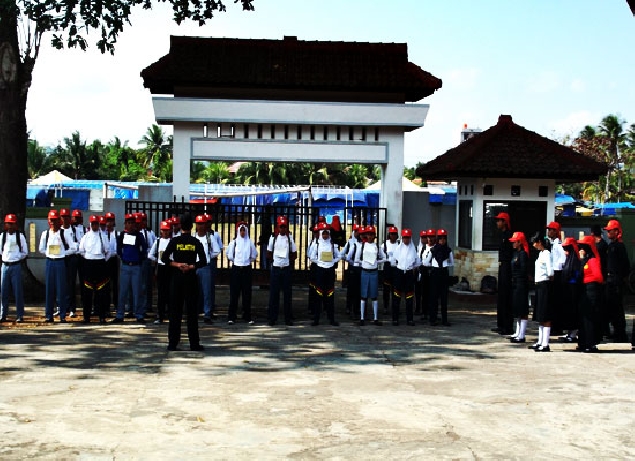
[130,263]
[56,259]
[14,263]
[369,270]
[280,267]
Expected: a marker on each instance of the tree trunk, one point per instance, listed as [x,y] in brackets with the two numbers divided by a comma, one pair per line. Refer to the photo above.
[15,80]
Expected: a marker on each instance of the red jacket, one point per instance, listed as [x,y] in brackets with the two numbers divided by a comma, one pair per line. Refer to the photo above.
[593,271]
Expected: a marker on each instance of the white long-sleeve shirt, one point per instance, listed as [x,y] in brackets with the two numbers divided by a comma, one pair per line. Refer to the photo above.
[13,249]
[210,244]
[239,258]
[543,268]
[557,255]
[367,255]
[281,246]
[93,245]
[156,252]
[325,254]
[52,246]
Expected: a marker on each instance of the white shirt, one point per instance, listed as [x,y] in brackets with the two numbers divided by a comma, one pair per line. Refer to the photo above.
[390,247]
[429,261]
[351,244]
[11,251]
[405,257]
[158,247]
[557,254]
[325,254]
[242,258]
[94,245]
[111,238]
[52,248]
[211,249]
[367,255]
[543,268]
[216,236]
[281,246]
[149,236]
[72,237]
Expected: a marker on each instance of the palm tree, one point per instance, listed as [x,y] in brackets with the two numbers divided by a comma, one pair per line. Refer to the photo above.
[36,158]
[612,128]
[153,142]
[217,172]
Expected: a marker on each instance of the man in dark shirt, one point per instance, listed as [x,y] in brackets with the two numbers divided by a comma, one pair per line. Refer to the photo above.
[184,254]
[504,317]
[617,270]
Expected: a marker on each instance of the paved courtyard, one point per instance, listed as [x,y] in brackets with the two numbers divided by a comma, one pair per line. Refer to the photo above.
[113,392]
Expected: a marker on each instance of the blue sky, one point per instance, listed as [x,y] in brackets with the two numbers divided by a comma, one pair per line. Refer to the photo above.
[553,65]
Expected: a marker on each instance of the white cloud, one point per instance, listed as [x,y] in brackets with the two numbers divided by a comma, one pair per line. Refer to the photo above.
[578,85]
[544,82]
[574,122]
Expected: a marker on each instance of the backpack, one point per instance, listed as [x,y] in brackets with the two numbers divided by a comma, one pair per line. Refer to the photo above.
[489,284]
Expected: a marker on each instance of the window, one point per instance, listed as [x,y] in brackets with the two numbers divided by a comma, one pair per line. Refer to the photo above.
[246,131]
[525,216]
[259,131]
[312,133]
[465,223]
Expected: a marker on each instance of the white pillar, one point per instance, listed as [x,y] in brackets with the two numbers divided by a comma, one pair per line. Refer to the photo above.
[392,172]
[183,133]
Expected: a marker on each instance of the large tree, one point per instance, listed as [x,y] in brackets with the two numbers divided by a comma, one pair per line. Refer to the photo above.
[23,25]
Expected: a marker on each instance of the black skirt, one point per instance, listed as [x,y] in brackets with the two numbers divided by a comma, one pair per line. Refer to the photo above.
[520,298]
[542,311]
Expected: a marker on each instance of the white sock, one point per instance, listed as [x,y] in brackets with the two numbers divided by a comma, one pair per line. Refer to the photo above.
[523,328]
[375,308]
[546,331]
[540,334]
[573,333]
[362,308]
[517,332]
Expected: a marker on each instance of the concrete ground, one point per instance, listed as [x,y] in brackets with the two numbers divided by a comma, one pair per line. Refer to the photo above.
[69,391]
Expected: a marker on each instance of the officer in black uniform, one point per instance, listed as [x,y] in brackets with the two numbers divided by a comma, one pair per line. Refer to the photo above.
[617,270]
[184,254]
[504,315]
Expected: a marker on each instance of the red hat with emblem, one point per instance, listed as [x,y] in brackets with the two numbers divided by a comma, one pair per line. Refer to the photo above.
[322,226]
[442,232]
[53,214]
[65,212]
[93,218]
[129,217]
[208,217]
[110,215]
[77,214]
[554,225]
[393,230]
[11,218]
[423,233]
[282,221]
[370,230]
[165,225]
[102,220]
[201,219]
[406,232]
[431,233]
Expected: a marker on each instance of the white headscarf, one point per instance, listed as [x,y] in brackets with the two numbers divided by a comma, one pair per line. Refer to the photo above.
[405,255]
[242,251]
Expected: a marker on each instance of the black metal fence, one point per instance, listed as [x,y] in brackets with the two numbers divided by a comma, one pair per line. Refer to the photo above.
[262,220]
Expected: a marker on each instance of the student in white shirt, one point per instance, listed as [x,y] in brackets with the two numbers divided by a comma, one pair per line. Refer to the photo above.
[95,251]
[368,255]
[439,259]
[282,253]
[54,246]
[72,236]
[203,275]
[241,252]
[543,273]
[14,251]
[325,254]
[405,261]
[214,234]
[163,271]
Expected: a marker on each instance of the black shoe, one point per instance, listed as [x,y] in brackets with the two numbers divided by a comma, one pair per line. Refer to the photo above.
[377,323]
[173,348]
[591,350]
[314,323]
[213,316]
[410,323]
[129,315]
[207,320]
[534,346]
[102,321]
[567,339]
[496,330]
[506,332]
[271,323]
[3,319]
[198,348]
[86,321]
[63,320]
[517,340]
[49,320]
[433,324]
[446,324]
[142,321]
[361,323]
[395,323]
[542,349]
[335,324]
[116,320]
[289,323]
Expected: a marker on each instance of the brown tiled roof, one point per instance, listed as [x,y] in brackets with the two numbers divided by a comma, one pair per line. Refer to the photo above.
[507,150]
[289,65]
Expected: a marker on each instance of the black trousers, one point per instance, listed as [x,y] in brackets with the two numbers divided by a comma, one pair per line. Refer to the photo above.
[422,289]
[403,287]
[96,287]
[163,291]
[439,286]
[183,289]
[615,307]
[72,263]
[387,276]
[589,333]
[240,285]
[504,316]
[113,275]
[353,288]
[280,280]
[324,288]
